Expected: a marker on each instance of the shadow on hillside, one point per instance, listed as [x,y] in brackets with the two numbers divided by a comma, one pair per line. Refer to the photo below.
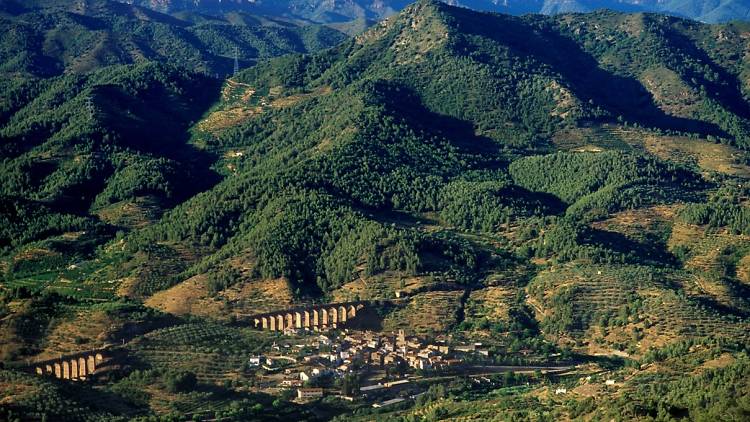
[621,96]
[99,400]
[369,318]
[157,123]
[404,103]
[739,305]
[726,91]
[645,252]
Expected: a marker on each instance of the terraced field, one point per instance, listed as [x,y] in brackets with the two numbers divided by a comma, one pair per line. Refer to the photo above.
[215,353]
[707,155]
[430,312]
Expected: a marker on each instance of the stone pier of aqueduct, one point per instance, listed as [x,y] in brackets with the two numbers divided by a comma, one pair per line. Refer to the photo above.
[79,366]
[314,317]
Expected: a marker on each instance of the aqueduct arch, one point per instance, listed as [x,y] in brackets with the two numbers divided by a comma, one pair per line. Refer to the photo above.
[313,317]
[72,367]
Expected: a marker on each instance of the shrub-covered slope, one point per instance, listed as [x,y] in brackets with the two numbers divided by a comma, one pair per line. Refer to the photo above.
[76,37]
[430,113]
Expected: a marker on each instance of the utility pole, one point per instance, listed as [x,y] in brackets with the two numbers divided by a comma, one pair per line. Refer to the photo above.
[236,61]
[90,108]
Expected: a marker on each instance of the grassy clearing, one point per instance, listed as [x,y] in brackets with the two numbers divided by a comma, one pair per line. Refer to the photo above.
[134,214]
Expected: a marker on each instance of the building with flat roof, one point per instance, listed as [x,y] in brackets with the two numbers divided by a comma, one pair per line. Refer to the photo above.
[388,402]
[309,393]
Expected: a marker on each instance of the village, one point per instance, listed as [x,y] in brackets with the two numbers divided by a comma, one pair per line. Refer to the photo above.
[360,364]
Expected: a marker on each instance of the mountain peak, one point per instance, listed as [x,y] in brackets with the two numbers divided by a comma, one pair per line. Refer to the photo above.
[420,26]
[424,7]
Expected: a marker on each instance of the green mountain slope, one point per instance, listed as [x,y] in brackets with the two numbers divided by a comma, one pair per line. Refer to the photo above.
[79,37]
[77,139]
[423,115]
[337,11]
[75,142]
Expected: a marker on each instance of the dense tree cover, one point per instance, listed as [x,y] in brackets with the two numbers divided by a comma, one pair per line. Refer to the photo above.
[179,381]
[568,239]
[297,210]
[719,214]
[487,205]
[630,195]
[375,126]
[23,221]
[157,176]
[372,129]
[667,44]
[309,237]
[75,141]
[59,37]
[570,176]
[726,208]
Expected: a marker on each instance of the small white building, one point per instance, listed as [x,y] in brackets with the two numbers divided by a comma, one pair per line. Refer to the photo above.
[423,364]
[464,348]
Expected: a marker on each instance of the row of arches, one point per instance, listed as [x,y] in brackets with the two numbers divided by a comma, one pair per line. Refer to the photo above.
[75,368]
[311,319]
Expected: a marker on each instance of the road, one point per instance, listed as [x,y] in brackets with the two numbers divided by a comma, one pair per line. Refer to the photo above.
[483,370]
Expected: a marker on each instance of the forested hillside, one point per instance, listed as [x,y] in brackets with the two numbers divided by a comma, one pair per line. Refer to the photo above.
[569,189]
[77,37]
[83,132]
[336,11]
[378,126]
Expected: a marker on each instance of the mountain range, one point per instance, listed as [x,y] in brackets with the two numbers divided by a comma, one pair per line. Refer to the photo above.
[51,38]
[341,10]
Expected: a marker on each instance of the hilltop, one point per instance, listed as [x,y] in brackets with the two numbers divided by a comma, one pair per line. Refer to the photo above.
[561,189]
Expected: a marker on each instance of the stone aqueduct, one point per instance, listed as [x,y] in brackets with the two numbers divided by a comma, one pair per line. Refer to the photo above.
[84,365]
[79,366]
[314,317]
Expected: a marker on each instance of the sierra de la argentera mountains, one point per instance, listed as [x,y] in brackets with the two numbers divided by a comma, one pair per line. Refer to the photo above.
[711,11]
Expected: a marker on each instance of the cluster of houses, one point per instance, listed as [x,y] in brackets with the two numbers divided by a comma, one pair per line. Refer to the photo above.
[378,351]
[351,351]
[382,351]
[317,360]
